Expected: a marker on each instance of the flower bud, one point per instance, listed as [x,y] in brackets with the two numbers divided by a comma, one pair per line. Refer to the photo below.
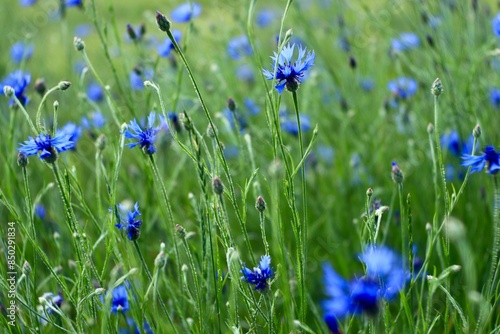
[8,91]
[430,128]
[476,132]
[100,142]
[162,22]
[397,174]
[78,43]
[369,192]
[131,32]
[22,160]
[260,204]
[63,85]
[26,268]
[231,105]
[437,87]
[181,231]
[217,186]
[40,86]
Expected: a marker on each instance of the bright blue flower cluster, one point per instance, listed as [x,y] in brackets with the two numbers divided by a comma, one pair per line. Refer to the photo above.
[490,160]
[129,223]
[290,74]
[145,138]
[260,275]
[385,277]
[48,146]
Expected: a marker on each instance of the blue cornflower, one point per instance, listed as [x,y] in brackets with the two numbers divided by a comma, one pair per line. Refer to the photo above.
[244,72]
[231,151]
[495,98]
[230,116]
[260,275]
[129,223]
[239,47]
[18,80]
[138,76]
[95,92]
[40,211]
[21,51]
[289,124]
[452,142]
[146,137]
[289,74]
[495,25]
[72,3]
[403,87]
[265,17]
[252,107]
[186,12]
[83,30]
[52,301]
[119,301]
[489,159]
[97,121]
[48,146]
[167,46]
[405,41]
[385,277]
[367,84]
[74,131]
[27,3]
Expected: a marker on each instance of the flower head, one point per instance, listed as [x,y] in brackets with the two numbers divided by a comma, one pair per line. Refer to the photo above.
[120,299]
[138,76]
[260,275]
[403,87]
[95,92]
[289,123]
[128,221]
[405,41]
[48,146]
[495,25]
[495,98]
[489,159]
[73,3]
[74,131]
[146,137]
[289,74]
[21,51]
[186,12]
[18,80]
[239,47]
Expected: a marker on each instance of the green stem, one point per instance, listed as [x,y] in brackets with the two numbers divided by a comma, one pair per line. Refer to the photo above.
[496,238]
[38,118]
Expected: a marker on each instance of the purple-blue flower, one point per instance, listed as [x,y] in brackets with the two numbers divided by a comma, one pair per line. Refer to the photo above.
[490,159]
[47,145]
[495,25]
[403,87]
[244,72]
[290,74]
[97,121]
[119,301]
[72,3]
[186,12]
[265,17]
[405,41]
[138,76]
[239,47]
[21,51]
[74,131]
[129,223]
[95,92]
[145,138]
[452,142]
[495,98]
[18,80]
[289,124]
[40,211]
[260,275]
[167,46]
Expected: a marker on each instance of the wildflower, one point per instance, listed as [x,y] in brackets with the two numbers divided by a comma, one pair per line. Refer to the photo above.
[452,142]
[135,33]
[244,72]
[289,124]
[239,47]
[120,299]
[138,76]
[50,303]
[83,30]
[186,12]
[129,223]
[48,146]
[21,51]
[74,131]
[253,108]
[95,92]
[260,275]
[403,87]
[167,46]
[396,173]
[73,3]
[289,74]
[495,24]
[367,84]
[145,137]
[265,17]
[495,98]
[40,211]
[405,41]
[385,277]
[27,3]
[97,120]
[18,80]
[489,159]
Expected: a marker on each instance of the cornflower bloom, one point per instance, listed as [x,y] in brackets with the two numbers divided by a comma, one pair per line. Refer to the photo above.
[186,12]
[260,275]
[129,223]
[48,146]
[146,137]
[489,159]
[21,51]
[288,74]
[18,80]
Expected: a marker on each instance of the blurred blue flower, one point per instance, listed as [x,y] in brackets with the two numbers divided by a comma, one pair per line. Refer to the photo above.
[40,211]
[27,3]
[344,44]
[131,323]
[451,141]
[74,132]
[48,146]
[146,137]
[231,151]
[244,72]
[253,108]
[385,277]
[128,222]
[403,87]
[95,92]
[97,121]
[55,301]
[229,115]
[137,77]
[260,275]
[326,153]
[239,47]
[167,46]
[18,80]
[289,124]
[495,98]
[367,84]
[73,3]
[119,302]
[405,41]
[186,12]
[489,159]
[21,51]
[79,66]
[83,30]
[495,25]
[135,33]
[265,17]
[289,74]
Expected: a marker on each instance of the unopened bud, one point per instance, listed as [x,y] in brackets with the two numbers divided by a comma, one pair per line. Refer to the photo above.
[260,204]
[26,268]
[8,91]
[352,62]
[211,131]
[22,160]
[437,87]
[40,86]
[162,22]
[131,32]
[161,258]
[231,105]
[430,128]
[217,186]
[181,231]
[476,132]
[63,85]
[78,43]
[369,192]
[100,142]
[397,174]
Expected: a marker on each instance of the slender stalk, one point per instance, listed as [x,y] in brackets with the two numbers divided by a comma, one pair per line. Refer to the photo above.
[38,118]
[496,239]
